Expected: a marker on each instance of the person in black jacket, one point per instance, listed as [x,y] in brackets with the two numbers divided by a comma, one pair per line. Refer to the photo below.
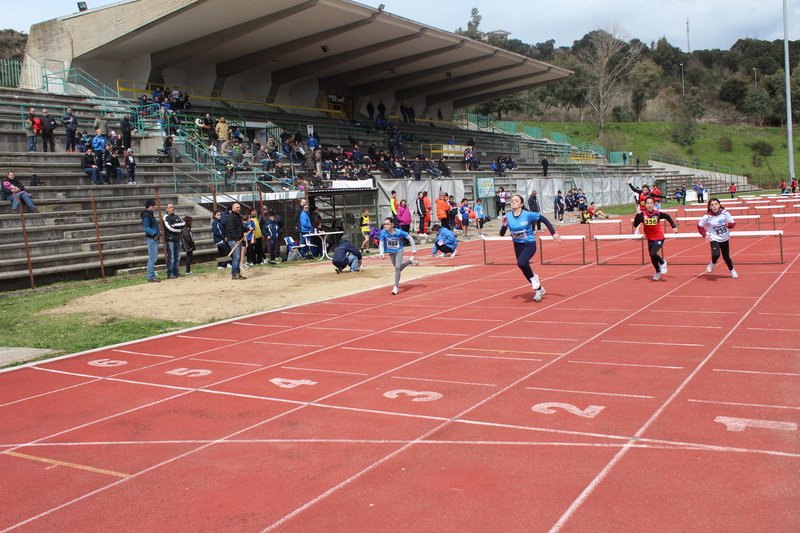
[126,127]
[371,110]
[187,241]
[533,207]
[49,125]
[545,165]
[271,229]
[12,186]
[89,166]
[346,254]
[173,228]
[70,123]
[234,231]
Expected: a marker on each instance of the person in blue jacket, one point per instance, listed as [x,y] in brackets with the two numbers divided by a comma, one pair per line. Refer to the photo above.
[520,223]
[346,254]
[445,242]
[152,232]
[391,243]
[220,240]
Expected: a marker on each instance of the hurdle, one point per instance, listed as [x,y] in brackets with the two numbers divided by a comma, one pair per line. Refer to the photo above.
[484,239]
[737,234]
[606,221]
[757,218]
[626,237]
[777,216]
[581,238]
[770,207]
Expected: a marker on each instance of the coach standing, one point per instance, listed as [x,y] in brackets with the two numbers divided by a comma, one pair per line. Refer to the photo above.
[234,230]
[151,234]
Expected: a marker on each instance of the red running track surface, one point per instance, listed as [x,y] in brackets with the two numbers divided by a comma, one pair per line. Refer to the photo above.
[616,404]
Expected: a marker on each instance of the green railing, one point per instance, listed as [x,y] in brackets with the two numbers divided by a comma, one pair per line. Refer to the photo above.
[534,133]
[694,164]
[75,81]
[10,71]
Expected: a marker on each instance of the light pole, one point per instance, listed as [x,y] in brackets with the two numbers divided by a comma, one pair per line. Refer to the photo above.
[683,85]
[755,76]
[789,138]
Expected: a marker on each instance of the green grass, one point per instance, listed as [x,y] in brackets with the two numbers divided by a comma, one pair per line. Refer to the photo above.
[25,327]
[629,208]
[643,138]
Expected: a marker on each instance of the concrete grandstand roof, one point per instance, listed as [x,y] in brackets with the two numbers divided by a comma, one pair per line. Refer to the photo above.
[302,49]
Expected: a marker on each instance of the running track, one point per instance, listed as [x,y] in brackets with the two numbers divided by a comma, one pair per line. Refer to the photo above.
[616,404]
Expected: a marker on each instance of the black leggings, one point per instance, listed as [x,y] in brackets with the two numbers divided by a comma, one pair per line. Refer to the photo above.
[725,248]
[525,252]
[655,247]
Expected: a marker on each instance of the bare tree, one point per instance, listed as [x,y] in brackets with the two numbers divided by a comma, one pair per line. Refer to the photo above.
[607,58]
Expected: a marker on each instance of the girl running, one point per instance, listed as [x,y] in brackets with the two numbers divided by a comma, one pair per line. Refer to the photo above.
[520,223]
[391,243]
[651,220]
[715,226]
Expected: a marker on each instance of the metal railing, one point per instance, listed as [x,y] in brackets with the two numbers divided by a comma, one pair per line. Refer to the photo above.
[710,167]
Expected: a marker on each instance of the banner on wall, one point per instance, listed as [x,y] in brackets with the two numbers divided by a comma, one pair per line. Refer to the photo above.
[485,187]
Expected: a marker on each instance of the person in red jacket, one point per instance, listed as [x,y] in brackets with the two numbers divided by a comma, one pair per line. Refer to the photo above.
[732,190]
[650,219]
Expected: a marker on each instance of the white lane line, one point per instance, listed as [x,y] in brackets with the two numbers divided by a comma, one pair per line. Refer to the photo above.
[781,314]
[642,343]
[774,329]
[570,323]
[142,353]
[626,364]
[309,313]
[684,311]
[531,338]
[766,348]
[92,380]
[377,350]
[388,316]
[490,357]
[321,370]
[746,404]
[446,381]
[339,329]
[678,326]
[428,333]
[593,393]
[475,319]
[755,372]
[224,362]
[204,338]
[290,344]
[263,325]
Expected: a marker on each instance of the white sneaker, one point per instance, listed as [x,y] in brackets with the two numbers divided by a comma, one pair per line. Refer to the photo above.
[394,289]
[663,268]
[710,268]
[657,276]
[454,253]
[413,260]
[535,282]
[538,296]
[734,275]
[220,268]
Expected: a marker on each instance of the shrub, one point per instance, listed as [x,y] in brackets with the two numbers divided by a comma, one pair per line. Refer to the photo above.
[684,133]
[757,160]
[762,148]
[725,144]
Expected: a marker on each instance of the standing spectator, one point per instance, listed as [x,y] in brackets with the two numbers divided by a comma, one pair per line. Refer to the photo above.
[480,215]
[416,166]
[464,211]
[13,190]
[151,235]
[126,128]
[558,207]
[732,190]
[104,163]
[364,225]
[49,125]
[223,131]
[220,240]
[502,198]
[100,123]
[256,256]
[582,200]
[173,227]
[30,133]
[272,236]
[412,114]
[404,216]
[235,231]
[439,114]
[794,184]
[346,254]
[381,110]
[98,142]
[699,190]
[371,110]
[624,158]
[130,167]
[545,166]
[70,123]
[115,166]
[637,164]
[420,210]
[89,166]
[187,240]
[404,112]
[443,211]
[533,207]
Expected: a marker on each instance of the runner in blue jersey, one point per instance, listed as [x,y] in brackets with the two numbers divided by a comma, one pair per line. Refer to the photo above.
[391,243]
[520,223]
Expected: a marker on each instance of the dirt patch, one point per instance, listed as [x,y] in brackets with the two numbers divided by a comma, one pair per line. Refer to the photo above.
[214,296]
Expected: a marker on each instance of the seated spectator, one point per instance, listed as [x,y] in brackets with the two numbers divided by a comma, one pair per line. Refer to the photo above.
[429,167]
[443,168]
[11,187]
[169,149]
[498,167]
[345,255]
[89,166]
[445,242]
[263,157]
[594,212]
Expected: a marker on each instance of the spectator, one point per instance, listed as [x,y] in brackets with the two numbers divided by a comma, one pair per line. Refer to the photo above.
[220,240]
[115,166]
[126,128]
[173,228]
[412,114]
[98,141]
[558,207]
[404,112]
[533,207]
[187,241]
[698,188]
[381,110]
[416,166]
[13,190]
[439,114]
[444,170]
[70,123]
[235,231]
[443,211]
[100,123]
[170,150]
[130,167]
[255,253]
[222,130]
[404,216]
[445,242]
[420,211]
[545,166]
[502,198]
[49,125]
[272,236]
[452,140]
[464,212]
[346,254]
[371,110]
[480,215]
[431,169]
[30,133]
[89,167]
[151,235]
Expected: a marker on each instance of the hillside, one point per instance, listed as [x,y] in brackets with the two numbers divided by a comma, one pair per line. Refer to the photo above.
[12,44]
[643,138]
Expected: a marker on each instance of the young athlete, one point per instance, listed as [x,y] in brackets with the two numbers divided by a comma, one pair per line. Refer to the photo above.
[569,202]
[445,242]
[715,226]
[463,211]
[594,212]
[391,243]
[651,221]
[643,194]
[558,207]
[520,223]
[480,215]
[364,223]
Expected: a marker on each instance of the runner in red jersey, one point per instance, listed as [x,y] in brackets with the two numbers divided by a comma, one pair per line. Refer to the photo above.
[650,219]
[643,194]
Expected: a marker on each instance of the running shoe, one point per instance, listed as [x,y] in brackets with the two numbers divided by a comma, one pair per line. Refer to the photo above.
[710,268]
[535,282]
[663,268]
[734,275]
[657,276]
[413,260]
[538,296]
[338,270]
[454,253]
[394,289]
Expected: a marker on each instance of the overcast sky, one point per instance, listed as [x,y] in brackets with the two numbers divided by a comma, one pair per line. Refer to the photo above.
[713,23]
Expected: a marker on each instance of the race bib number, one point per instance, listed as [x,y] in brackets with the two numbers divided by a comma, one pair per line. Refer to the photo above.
[519,234]
[721,230]
[393,243]
[651,221]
